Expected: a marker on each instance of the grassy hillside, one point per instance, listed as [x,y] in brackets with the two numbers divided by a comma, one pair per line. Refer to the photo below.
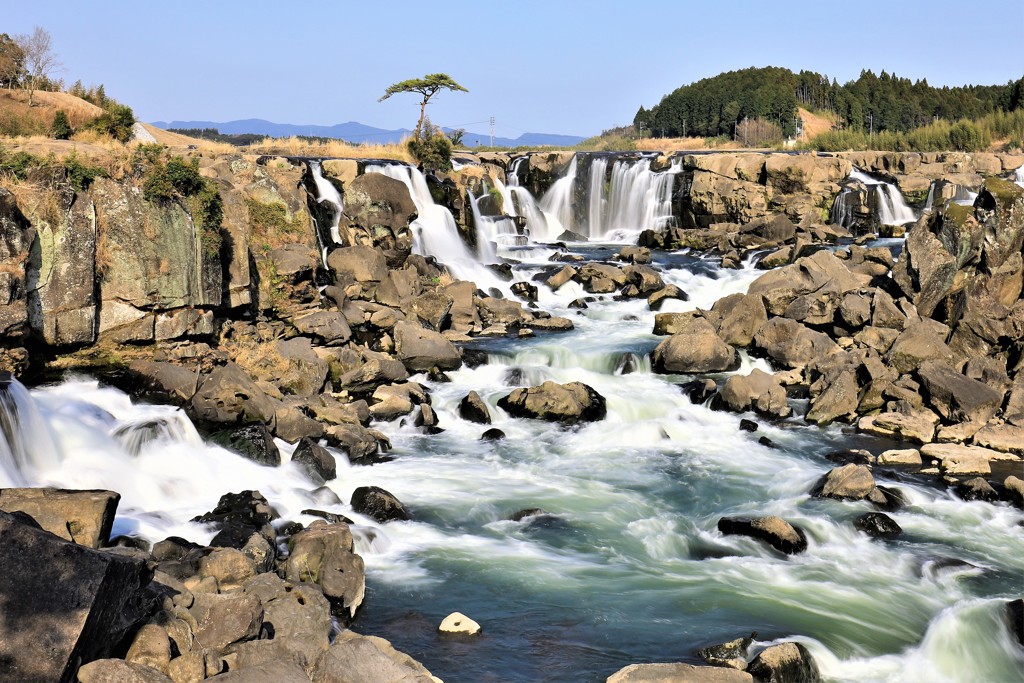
[17,118]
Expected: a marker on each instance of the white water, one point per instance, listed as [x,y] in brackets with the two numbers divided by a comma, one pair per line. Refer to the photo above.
[1018,176]
[596,204]
[494,234]
[434,230]
[892,208]
[632,556]
[557,201]
[519,202]
[326,191]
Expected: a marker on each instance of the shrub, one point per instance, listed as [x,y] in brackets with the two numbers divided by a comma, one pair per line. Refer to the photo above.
[79,175]
[116,121]
[60,129]
[433,152]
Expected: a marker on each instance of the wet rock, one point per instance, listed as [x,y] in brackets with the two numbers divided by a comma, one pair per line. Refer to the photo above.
[906,457]
[379,504]
[877,525]
[887,499]
[564,275]
[732,654]
[253,442]
[785,663]
[748,425]
[565,403]
[525,291]
[634,255]
[474,409]
[849,482]
[958,460]
[74,602]
[493,434]
[228,394]
[165,379]
[694,348]
[977,489]
[776,532]
[83,517]
[315,460]
[427,419]
[247,509]
[658,298]
[1015,617]
[678,673]
[919,428]
[323,555]
[699,390]
[458,623]
[1013,491]
[766,442]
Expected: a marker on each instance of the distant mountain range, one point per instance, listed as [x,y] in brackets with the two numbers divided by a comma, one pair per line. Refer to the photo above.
[354,131]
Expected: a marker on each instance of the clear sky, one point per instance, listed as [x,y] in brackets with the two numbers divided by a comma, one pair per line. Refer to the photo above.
[545,66]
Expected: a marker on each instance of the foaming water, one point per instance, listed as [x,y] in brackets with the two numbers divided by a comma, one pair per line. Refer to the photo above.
[623,562]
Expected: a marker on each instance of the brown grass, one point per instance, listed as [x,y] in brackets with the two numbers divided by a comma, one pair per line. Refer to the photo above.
[683,144]
[815,124]
[15,102]
[331,148]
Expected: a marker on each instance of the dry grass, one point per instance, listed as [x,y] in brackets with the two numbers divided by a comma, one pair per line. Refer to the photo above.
[15,103]
[684,144]
[179,142]
[331,148]
[815,124]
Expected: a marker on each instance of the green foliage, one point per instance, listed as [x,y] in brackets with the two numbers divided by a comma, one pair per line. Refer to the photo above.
[936,136]
[180,180]
[239,140]
[432,150]
[884,102]
[60,129]
[80,175]
[271,223]
[456,136]
[18,164]
[116,121]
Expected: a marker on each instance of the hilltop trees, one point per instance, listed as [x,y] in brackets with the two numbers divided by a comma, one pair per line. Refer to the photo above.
[12,61]
[40,59]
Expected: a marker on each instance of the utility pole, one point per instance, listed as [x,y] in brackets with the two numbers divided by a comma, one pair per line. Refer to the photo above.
[684,127]
[492,131]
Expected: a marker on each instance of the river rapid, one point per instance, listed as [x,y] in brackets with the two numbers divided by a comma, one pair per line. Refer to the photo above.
[624,564]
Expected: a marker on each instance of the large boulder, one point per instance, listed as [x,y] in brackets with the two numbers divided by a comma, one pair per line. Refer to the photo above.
[228,394]
[420,349]
[63,604]
[818,274]
[785,663]
[921,341]
[793,345]
[379,504]
[474,409]
[738,317]
[367,659]
[849,482]
[775,531]
[695,347]
[358,264]
[759,391]
[323,554]
[918,427]
[955,396]
[378,211]
[225,619]
[83,517]
[565,403]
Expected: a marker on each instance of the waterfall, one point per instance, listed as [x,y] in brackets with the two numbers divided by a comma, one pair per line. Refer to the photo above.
[26,444]
[135,435]
[892,208]
[326,191]
[596,205]
[929,202]
[493,232]
[1018,176]
[434,230]
[964,196]
[519,202]
[639,198]
[557,201]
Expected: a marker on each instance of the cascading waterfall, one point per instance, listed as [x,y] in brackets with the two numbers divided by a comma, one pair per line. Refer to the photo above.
[326,191]
[892,208]
[1018,176]
[519,202]
[26,442]
[557,201]
[929,202]
[434,230]
[493,232]
[596,205]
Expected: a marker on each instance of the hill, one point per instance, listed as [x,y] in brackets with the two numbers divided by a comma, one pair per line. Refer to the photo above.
[353,131]
[17,118]
[713,106]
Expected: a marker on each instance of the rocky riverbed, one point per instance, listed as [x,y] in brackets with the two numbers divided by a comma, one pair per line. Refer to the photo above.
[841,391]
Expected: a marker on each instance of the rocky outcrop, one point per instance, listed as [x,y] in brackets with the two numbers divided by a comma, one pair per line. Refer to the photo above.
[694,347]
[567,404]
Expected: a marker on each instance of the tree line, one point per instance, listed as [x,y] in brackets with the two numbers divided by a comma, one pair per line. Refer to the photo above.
[717,106]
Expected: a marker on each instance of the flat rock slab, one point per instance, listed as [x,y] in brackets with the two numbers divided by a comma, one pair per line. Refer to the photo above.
[678,673]
[83,517]
[958,460]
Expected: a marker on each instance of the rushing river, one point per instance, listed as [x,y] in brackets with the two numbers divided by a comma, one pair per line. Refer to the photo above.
[625,565]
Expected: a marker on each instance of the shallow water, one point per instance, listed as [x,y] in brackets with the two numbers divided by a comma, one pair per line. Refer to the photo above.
[627,564]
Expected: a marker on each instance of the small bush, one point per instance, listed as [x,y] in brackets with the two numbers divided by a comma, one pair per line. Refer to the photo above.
[116,121]
[60,129]
[432,149]
[80,175]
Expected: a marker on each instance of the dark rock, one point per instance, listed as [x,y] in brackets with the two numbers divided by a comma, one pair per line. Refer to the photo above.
[474,409]
[627,364]
[776,532]
[887,499]
[379,504]
[439,376]
[765,441]
[877,525]
[732,654]
[254,442]
[699,390]
[315,460]
[526,512]
[247,509]
[525,291]
[785,663]
[173,548]
[579,303]
[331,517]
[493,434]
[977,489]
[1015,617]
[851,456]
[748,425]
[63,604]
[228,394]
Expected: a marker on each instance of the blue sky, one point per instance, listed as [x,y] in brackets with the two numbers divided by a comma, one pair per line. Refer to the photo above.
[551,67]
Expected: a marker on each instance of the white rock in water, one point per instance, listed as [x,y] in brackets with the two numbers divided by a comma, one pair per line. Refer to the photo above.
[457,622]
